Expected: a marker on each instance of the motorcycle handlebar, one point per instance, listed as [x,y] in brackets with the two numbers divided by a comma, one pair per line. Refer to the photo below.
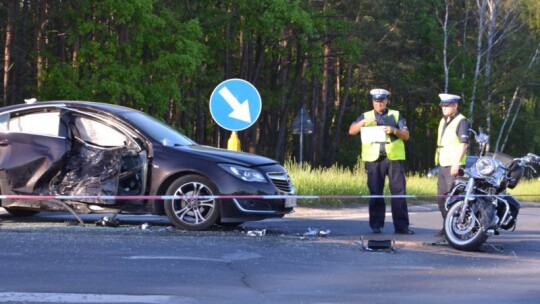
[528,160]
[532,158]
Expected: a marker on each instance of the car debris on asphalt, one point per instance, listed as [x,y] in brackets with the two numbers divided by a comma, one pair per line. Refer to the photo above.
[378,245]
[317,232]
[261,232]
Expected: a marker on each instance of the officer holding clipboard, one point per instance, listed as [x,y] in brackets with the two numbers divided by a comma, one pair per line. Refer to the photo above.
[383,133]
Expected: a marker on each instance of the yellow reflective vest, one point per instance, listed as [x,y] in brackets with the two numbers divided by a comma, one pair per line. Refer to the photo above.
[395,150]
[448,144]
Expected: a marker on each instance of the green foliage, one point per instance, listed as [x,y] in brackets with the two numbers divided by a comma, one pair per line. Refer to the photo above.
[531,13]
[121,59]
[166,57]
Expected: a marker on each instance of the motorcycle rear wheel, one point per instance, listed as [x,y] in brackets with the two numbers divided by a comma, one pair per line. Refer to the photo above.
[466,236]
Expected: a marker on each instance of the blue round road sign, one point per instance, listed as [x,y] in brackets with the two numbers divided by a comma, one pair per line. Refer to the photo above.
[235,104]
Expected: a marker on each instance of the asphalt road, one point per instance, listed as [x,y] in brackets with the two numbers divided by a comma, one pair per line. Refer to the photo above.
[48,259]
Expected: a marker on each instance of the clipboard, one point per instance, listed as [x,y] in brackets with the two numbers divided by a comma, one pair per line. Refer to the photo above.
[373,134]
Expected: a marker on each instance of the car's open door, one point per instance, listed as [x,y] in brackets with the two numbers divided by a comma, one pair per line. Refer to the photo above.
[32,150]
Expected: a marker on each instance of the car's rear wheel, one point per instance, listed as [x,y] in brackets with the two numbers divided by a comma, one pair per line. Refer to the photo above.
[190,211]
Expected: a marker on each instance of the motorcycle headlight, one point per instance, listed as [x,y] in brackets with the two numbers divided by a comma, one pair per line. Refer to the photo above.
[244,173]
[485,166]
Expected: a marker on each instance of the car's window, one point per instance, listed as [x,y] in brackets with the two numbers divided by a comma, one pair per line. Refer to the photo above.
[157,130]
[99,133]
[4,119]
[42,123]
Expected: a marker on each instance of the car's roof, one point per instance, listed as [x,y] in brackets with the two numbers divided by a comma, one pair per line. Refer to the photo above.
[98,106]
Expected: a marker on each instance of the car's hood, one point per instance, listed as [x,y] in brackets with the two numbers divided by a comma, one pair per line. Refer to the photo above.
[226,156]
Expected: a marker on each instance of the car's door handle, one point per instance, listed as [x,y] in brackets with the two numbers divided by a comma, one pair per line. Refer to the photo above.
[4,142]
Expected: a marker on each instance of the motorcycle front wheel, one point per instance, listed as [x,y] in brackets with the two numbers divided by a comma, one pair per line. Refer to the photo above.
[466,235]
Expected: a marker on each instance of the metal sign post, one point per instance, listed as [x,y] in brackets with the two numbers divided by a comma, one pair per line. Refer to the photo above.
[302,125]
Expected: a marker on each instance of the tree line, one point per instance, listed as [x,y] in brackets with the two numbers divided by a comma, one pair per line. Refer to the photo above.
[165,57]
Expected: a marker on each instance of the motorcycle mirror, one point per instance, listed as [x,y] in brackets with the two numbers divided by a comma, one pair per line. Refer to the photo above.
[482,138]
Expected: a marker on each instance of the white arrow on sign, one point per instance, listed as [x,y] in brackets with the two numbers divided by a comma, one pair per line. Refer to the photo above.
[240,110]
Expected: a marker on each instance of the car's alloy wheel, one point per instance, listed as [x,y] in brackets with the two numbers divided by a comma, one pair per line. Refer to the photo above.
[191,212]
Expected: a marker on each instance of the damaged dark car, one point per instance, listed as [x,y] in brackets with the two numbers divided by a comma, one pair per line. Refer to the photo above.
[88,157]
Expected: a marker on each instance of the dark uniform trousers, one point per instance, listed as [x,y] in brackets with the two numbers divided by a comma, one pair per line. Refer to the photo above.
[377,172]
[444,185]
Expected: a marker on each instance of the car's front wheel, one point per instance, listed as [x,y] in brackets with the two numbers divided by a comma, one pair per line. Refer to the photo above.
[195,208]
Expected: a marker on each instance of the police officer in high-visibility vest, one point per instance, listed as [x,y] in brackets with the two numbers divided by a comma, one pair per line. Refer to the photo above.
[451,152]
[382,158]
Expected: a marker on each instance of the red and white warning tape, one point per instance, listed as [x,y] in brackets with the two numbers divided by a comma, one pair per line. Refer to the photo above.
[200,197]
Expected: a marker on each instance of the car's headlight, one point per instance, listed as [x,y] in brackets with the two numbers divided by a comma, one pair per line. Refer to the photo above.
[244,173]
[485,166]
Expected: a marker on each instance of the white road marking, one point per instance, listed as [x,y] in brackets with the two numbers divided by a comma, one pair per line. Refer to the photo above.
[166,257]
[42,297]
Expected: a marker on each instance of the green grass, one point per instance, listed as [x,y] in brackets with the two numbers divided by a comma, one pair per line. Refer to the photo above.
[527,191]
[336,182]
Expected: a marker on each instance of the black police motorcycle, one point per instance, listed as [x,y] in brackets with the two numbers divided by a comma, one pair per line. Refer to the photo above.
[478,204]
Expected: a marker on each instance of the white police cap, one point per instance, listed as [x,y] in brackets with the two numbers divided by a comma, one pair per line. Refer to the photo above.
[447,98]
[379,94]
